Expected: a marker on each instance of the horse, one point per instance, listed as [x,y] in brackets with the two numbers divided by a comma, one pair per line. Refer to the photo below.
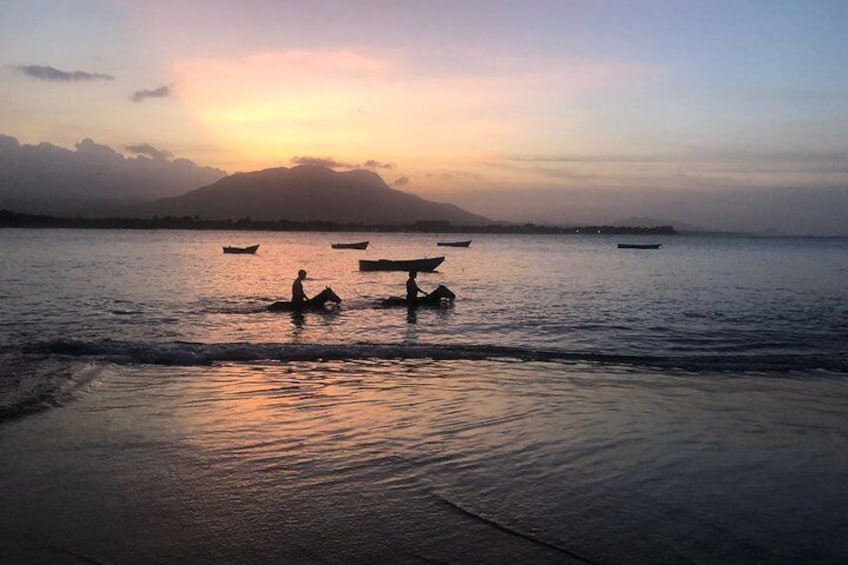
[317,302]
[441,296]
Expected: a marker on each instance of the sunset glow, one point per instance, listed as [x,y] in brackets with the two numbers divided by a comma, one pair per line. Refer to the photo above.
[549,97]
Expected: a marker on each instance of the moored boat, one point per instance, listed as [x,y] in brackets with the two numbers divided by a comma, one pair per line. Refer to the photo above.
[639,245]
[357,245]
[249,249]
[421,265]
[465,243]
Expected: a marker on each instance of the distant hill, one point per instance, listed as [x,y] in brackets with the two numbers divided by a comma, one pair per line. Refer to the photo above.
[95,181]
[306,193]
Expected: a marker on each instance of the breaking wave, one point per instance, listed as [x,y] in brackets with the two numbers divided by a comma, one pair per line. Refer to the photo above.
[191,354]
[29,386]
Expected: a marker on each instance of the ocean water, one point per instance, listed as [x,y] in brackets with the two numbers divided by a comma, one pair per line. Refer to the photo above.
[577,403]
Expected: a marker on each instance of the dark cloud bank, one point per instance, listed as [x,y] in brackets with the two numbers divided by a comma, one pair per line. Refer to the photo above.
[331,163]
[142,95]
[42,72]
[149,151]
[91,178]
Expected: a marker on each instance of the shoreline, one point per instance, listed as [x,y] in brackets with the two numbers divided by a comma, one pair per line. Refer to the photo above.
[11,219]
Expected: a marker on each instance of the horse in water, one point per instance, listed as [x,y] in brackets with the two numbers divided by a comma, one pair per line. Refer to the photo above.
[317,302]
[441,296]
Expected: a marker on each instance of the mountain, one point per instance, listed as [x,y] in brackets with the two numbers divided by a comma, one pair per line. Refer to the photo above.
[309,192]
[93,180]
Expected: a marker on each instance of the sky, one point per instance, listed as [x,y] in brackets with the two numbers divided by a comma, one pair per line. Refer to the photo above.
[713,111]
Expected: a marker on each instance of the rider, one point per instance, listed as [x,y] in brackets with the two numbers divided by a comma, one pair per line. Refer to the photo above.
[299,298]
[412,290]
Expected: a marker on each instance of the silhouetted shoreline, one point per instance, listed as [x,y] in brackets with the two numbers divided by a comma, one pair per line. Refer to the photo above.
[9,219]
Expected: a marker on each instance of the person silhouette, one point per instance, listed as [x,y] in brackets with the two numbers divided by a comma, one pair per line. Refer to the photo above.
[412,290]
[299,297]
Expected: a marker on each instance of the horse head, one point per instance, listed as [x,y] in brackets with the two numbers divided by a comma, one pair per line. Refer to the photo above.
[443,292]
[328,295]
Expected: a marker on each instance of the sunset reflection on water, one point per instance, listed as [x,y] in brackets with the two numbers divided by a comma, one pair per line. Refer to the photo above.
[573,394]
[539,447]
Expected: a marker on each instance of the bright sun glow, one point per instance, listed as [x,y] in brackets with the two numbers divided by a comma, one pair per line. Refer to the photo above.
[357,105]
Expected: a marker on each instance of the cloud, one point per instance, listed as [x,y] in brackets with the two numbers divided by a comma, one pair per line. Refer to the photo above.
[550,172]
[53,74]
[89,147]
[321,162]
[142,95]
[728,166]
[456,176]
[585,158]
[402,181]
[372,164]
[45,178]
[299,100]
[149,150]
[334,164]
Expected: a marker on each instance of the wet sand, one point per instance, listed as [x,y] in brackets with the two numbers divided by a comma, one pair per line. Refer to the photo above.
[123,474]
[421,461]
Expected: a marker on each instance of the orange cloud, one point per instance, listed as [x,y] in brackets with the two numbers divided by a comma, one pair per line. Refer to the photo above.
[355,104]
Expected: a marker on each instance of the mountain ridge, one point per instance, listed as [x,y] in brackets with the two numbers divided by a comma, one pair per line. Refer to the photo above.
[310,193]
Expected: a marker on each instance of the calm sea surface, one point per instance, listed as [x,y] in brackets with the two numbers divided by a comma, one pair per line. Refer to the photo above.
[578,402]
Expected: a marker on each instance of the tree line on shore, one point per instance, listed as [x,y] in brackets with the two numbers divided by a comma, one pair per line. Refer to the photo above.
[10,219]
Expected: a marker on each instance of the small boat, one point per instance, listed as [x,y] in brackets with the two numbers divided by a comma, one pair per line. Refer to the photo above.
[357,245]
[454,243]
[421,265]
[251,249]
[639,245]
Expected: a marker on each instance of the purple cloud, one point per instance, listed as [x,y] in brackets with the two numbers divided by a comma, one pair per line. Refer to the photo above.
[149,150]
[321,162]
[372,164]
[142,95]
[41,72]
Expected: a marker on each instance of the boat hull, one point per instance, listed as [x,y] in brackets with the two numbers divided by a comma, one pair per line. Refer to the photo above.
[454,243]
[421,265]
[358,245]
[242,250]
[639,245]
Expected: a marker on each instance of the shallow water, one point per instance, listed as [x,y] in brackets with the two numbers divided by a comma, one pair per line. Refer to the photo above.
[577,404]
[420,460]
[696,295]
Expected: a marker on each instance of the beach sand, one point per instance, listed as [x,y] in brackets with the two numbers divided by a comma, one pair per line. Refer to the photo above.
[422,461]
[136,470]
